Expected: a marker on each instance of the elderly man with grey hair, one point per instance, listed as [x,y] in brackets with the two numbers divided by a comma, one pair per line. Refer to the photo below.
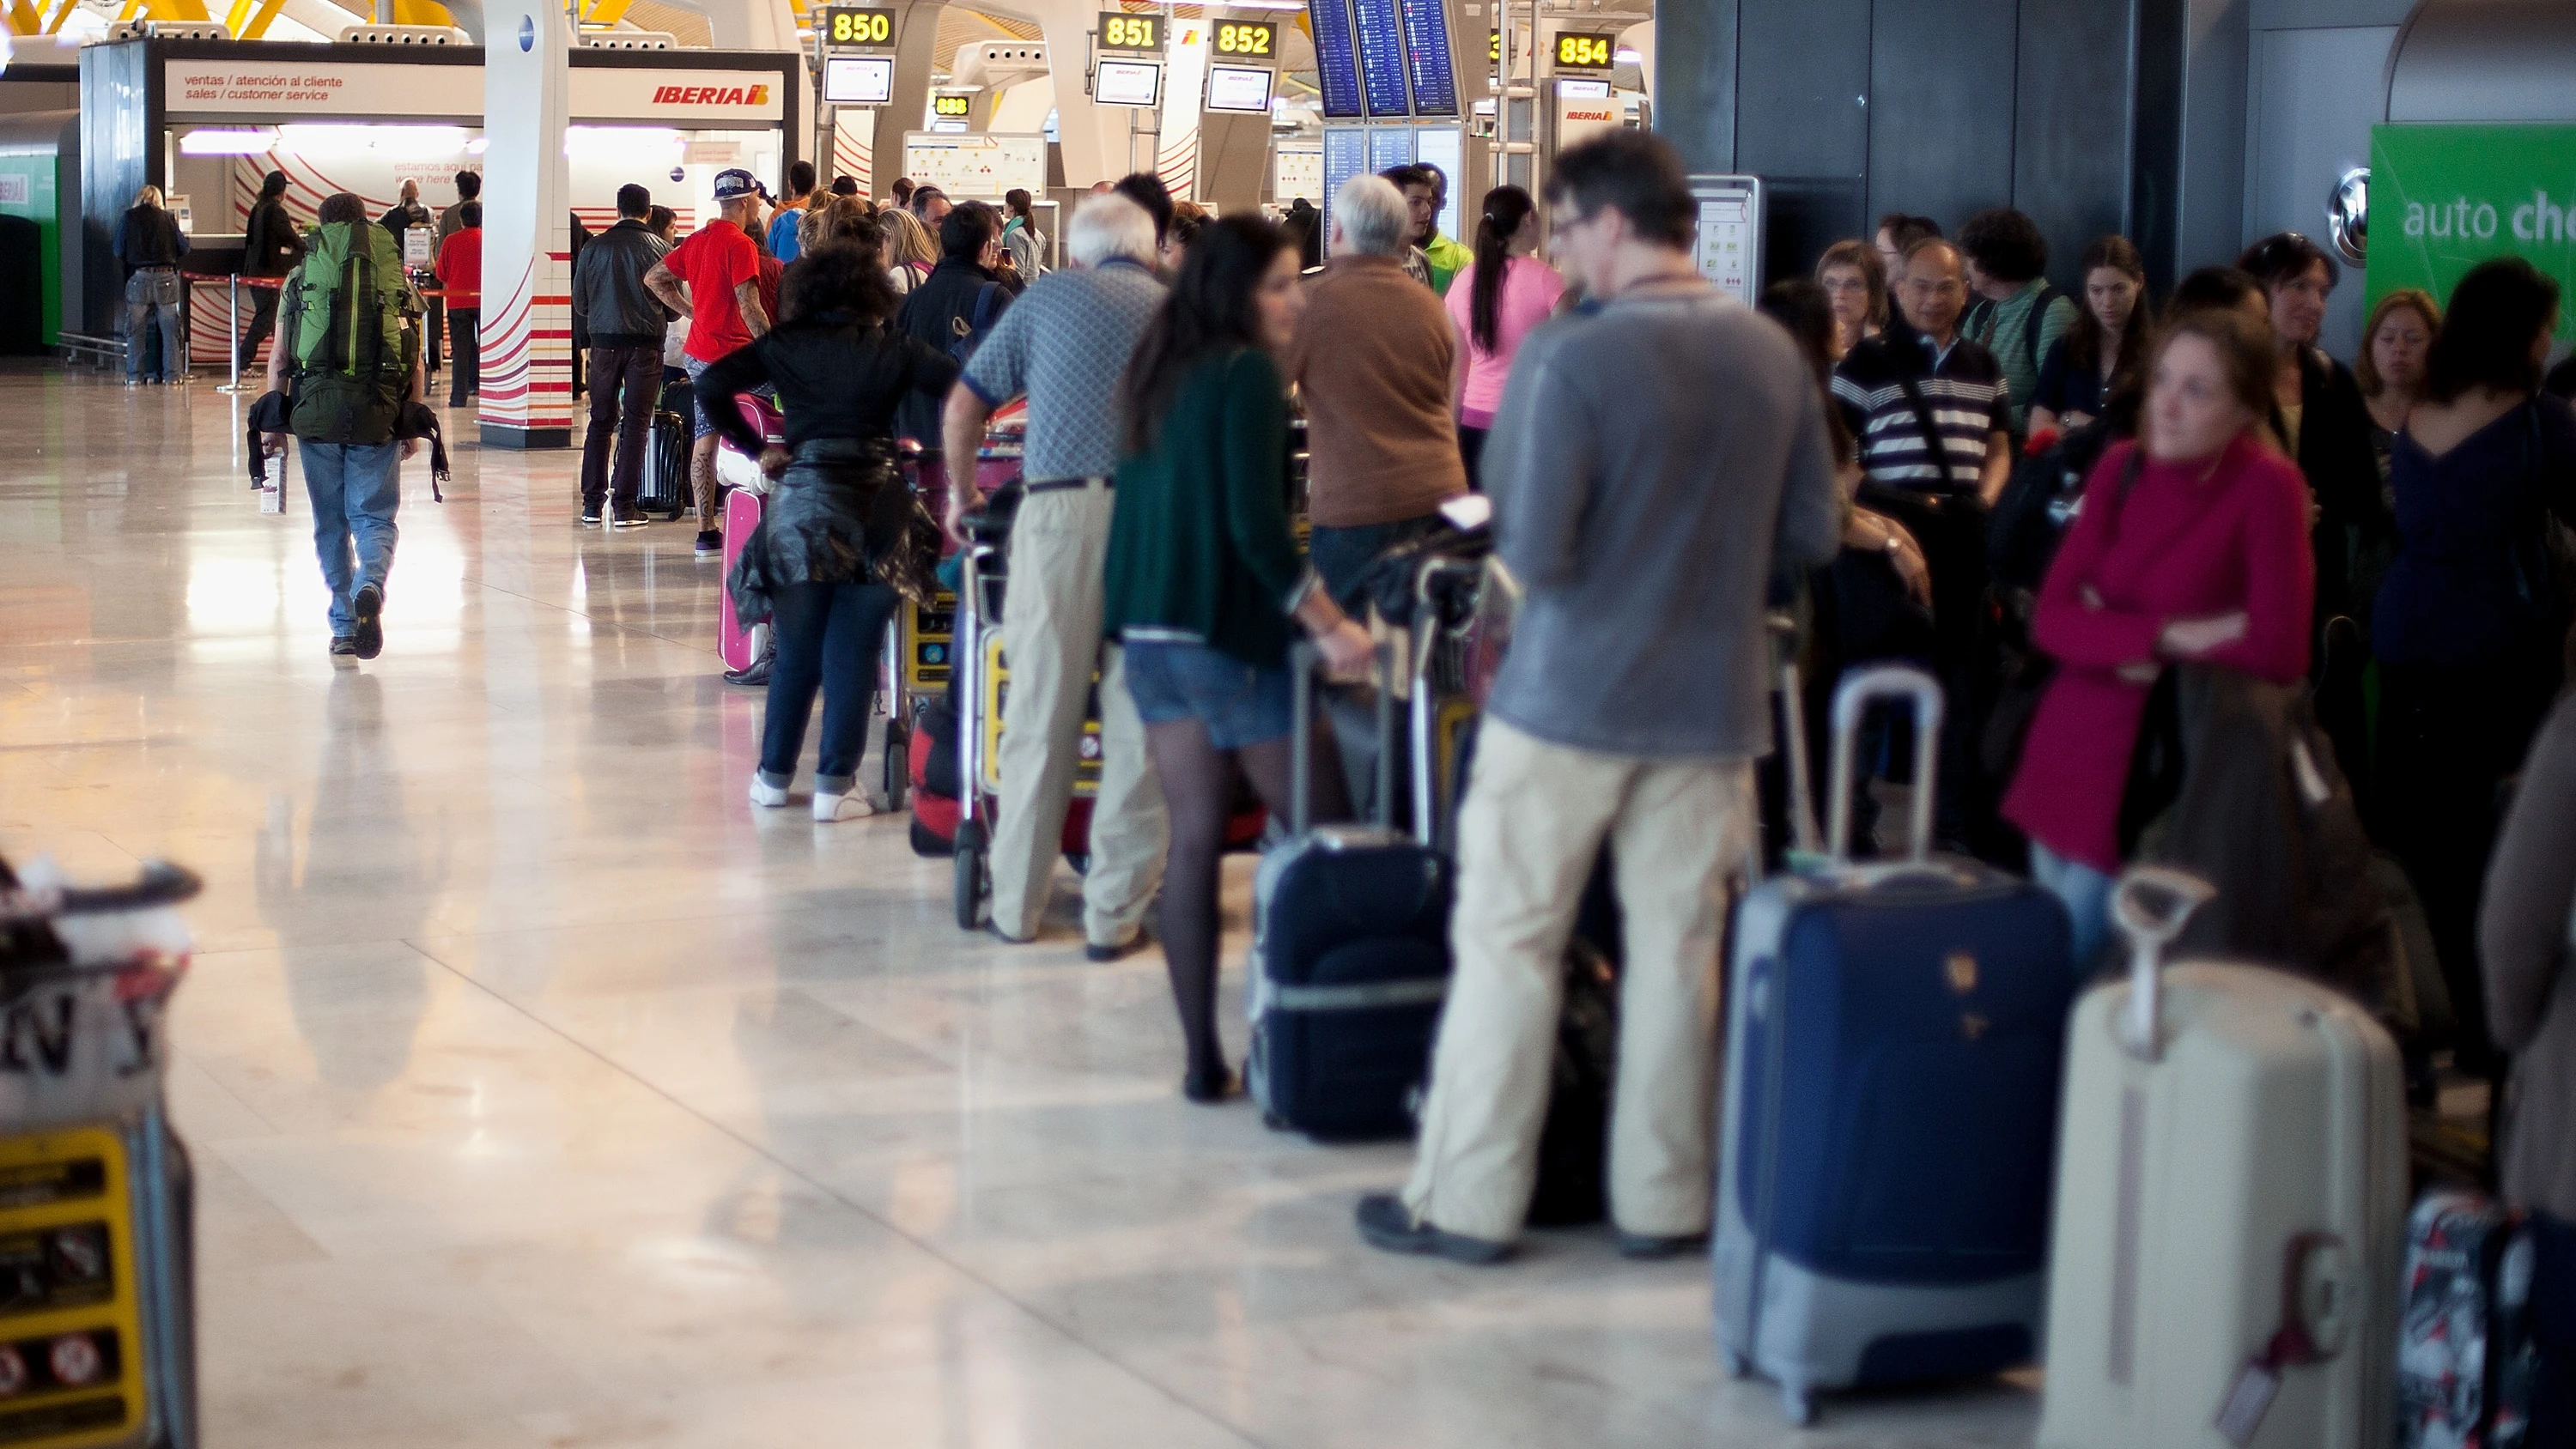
[1372,357]
[1065,344]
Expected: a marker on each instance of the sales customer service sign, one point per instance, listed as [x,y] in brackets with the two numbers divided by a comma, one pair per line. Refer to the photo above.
[2445,198]
[682,98]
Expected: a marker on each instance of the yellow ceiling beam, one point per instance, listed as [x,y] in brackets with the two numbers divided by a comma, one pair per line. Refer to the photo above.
[23,19]
[421,12]
[255,26]
[62,12]
[190,10]
[604,12]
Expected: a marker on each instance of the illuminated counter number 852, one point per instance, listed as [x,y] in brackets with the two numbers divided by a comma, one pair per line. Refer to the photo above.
[1244,39]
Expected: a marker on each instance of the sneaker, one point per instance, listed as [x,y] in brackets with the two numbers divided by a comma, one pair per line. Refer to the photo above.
[710,543]
[766,795]
[1388,1225]
[1652,1248]
[629,520]
[370,605]
[589,519]
[343,647]
[1095,952]
[851,804]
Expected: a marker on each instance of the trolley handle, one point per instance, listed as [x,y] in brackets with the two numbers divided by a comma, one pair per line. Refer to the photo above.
[158,884]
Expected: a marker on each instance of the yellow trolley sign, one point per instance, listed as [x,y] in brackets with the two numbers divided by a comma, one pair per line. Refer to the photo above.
[929,643]
[997,683]
[71,1331]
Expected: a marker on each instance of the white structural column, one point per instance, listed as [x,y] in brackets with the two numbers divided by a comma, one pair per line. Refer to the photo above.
[1185,58]
[527,278]
[1093,137]
[916,42]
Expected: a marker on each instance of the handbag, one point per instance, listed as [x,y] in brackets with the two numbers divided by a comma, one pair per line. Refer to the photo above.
[2026,680]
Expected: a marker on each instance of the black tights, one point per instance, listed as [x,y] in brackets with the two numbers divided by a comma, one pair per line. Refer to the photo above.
[1198,788]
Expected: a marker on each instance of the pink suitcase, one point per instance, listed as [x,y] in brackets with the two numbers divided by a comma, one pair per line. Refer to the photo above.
[738,644]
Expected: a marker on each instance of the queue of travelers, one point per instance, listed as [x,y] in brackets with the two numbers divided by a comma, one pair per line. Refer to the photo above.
[2244,506]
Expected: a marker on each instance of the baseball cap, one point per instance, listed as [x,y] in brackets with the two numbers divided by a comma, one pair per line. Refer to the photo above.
[733,183]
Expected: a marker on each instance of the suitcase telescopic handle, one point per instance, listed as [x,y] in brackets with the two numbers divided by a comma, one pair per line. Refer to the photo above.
[2151,904]
[1859,691]
[1793,724]
[1304,659]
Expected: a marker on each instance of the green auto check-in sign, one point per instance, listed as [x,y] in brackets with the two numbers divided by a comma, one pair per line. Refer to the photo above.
[2445,198]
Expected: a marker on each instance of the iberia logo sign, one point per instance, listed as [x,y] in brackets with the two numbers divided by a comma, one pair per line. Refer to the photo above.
[711,96]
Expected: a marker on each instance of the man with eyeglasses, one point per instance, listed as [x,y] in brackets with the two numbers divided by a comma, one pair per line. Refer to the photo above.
[1933,414]
[1644,510]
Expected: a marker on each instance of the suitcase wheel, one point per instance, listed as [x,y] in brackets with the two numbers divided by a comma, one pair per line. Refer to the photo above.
[898,761]
[1274,1121]
[970,875]
[1798,1404]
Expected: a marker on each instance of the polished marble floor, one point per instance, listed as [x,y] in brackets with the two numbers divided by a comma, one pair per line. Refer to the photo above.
[542,1096]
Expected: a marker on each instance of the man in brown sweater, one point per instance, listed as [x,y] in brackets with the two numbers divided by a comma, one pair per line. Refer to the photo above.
[1372,357]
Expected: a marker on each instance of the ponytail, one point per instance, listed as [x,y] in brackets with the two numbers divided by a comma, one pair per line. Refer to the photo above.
[1506,207]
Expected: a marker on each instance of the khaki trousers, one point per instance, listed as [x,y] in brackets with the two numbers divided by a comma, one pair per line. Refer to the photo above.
[1535,818]
[1051,640]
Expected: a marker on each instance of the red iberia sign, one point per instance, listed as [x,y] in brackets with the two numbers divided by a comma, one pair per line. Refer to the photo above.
[755,95]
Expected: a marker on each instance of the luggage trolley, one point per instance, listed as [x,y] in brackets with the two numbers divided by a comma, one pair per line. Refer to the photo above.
[922,647]
[98,1315]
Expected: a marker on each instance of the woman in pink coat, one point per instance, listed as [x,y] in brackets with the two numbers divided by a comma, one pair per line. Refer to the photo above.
[2192,547]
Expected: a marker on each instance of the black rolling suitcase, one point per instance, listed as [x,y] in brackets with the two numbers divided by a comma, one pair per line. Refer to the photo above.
[1350,958]
[664,488]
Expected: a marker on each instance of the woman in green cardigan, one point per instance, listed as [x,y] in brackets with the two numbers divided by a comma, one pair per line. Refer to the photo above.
[1206,589]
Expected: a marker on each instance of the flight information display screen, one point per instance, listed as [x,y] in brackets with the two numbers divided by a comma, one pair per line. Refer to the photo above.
[1337,72]
[1345,156]
[1381,46]
[1390,147]
[1426,57]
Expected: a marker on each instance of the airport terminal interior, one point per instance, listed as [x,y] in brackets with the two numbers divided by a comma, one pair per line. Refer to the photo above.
[411,1035]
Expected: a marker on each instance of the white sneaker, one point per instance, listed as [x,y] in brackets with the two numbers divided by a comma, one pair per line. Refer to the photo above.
[851,806]
[766,795]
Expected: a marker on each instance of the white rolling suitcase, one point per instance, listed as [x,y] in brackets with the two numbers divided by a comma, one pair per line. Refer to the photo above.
[2231,1206]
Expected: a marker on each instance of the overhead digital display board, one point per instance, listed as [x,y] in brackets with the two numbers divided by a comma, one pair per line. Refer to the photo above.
[1337,73]
[1426,57]
[1121,31]
[1381,51]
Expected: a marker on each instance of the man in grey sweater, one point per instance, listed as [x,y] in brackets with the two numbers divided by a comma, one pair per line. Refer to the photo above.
[1665,451]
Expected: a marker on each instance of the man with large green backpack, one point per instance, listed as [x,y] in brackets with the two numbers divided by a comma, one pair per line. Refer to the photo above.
[348,358]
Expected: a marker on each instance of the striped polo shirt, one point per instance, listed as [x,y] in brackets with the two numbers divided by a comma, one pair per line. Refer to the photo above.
[1964,390]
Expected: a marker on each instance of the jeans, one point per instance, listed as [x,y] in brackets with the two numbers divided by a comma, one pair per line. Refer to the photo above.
[2553,1324]
[1342,556]
[355,488]
[828,636]
[635,375]
[1239,704]
[464,353]
[2086,894]
[147,292]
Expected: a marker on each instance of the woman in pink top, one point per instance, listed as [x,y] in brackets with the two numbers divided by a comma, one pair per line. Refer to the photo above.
[1494,303]
[2196,553]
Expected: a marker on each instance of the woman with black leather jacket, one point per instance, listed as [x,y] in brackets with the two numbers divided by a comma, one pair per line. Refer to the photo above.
[2319,412]
[839,513]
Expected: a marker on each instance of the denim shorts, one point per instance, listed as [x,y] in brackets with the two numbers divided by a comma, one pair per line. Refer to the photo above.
[1241,704]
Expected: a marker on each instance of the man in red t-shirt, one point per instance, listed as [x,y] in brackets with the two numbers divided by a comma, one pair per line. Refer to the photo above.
[721,268]
[460,276]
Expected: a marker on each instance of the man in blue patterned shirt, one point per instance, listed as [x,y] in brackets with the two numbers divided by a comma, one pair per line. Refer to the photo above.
[1064,344]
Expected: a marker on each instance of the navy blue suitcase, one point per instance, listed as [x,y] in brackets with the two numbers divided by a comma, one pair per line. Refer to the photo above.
[1894,1040]
[1350,958]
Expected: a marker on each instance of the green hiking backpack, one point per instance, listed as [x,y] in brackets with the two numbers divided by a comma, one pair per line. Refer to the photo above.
[357,336]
